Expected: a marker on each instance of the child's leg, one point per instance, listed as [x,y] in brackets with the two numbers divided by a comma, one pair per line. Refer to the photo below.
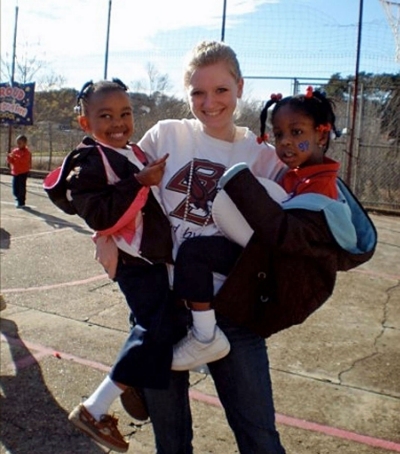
[91,417]
[19,188]
[24,178]
[145,358]
[100,401]
[197,259]
[15,188]
[203,320]
[146,289]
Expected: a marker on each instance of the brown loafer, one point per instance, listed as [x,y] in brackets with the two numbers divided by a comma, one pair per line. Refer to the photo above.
[133,401]
[104,431]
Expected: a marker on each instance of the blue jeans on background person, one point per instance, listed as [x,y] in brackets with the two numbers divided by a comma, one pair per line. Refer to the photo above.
[19,188]
[243,383]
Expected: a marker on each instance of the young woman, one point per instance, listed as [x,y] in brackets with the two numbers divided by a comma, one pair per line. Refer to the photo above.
[200,150]
[302,126]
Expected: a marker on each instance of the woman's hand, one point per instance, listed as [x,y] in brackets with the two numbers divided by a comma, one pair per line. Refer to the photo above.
[106,254]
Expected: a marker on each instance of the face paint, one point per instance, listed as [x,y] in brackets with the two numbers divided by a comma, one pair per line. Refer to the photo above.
[304,146]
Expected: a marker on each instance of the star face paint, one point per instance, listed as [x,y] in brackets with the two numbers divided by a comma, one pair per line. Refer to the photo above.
[304,146]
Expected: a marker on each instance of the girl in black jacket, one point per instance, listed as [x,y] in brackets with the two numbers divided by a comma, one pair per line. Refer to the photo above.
[106,182]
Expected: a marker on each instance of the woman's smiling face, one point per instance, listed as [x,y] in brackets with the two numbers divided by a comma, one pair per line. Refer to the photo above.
[213,93]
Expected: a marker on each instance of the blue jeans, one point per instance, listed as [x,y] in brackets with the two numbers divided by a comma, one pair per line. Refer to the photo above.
[145,358]
[243,383]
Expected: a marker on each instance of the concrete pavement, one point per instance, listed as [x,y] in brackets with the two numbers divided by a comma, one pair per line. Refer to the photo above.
[336,378]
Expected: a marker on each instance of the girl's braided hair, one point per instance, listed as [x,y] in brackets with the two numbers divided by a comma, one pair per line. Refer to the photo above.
[90,87]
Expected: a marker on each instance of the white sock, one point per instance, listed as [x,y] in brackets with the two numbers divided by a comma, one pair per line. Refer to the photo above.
[204,325]
[99,402]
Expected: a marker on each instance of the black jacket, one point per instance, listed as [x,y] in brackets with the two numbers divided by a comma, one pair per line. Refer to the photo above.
[102,204]
[288,269]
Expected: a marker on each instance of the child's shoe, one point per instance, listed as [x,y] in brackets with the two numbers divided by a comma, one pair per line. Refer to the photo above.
[190,353]
[132,399]
[104,431]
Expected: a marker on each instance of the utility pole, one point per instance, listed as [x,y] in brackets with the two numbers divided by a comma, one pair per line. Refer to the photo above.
[223,22]
[355,98]
[107,39]
[10,126]
[14,46]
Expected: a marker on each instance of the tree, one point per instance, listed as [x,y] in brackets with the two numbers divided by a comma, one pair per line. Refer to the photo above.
[30,68]
[26,66]
[389,86]
[156,83]
[380,98]
[148,110]
[56,106]
[337,87]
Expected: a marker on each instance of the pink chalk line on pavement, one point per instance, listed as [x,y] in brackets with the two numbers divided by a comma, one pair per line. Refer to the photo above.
[53,286]
[311,426]
[46,351]
[43,351]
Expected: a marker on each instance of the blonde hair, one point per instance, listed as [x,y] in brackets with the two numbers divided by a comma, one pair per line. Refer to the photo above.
[208,53]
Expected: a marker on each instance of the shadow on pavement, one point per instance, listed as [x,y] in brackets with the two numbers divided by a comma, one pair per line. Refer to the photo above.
[32,421]
[57,222]
[5,239]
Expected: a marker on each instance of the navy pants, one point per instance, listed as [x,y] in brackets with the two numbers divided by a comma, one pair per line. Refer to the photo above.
[145,358]
[19,188]
[196,260]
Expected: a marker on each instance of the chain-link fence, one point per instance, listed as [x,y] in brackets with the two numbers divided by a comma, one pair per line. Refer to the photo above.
[375,170]
[369,155]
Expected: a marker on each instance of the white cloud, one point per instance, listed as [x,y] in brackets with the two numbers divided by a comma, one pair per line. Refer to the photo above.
[70,36]
[78,27]
[276,40]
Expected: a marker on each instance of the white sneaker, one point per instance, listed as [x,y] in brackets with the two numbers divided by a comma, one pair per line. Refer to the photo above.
[190,353]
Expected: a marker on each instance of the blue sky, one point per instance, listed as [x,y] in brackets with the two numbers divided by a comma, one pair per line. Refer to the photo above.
[273,38]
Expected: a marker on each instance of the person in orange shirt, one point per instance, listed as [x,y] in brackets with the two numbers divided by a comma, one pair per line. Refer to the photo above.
[20,161]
